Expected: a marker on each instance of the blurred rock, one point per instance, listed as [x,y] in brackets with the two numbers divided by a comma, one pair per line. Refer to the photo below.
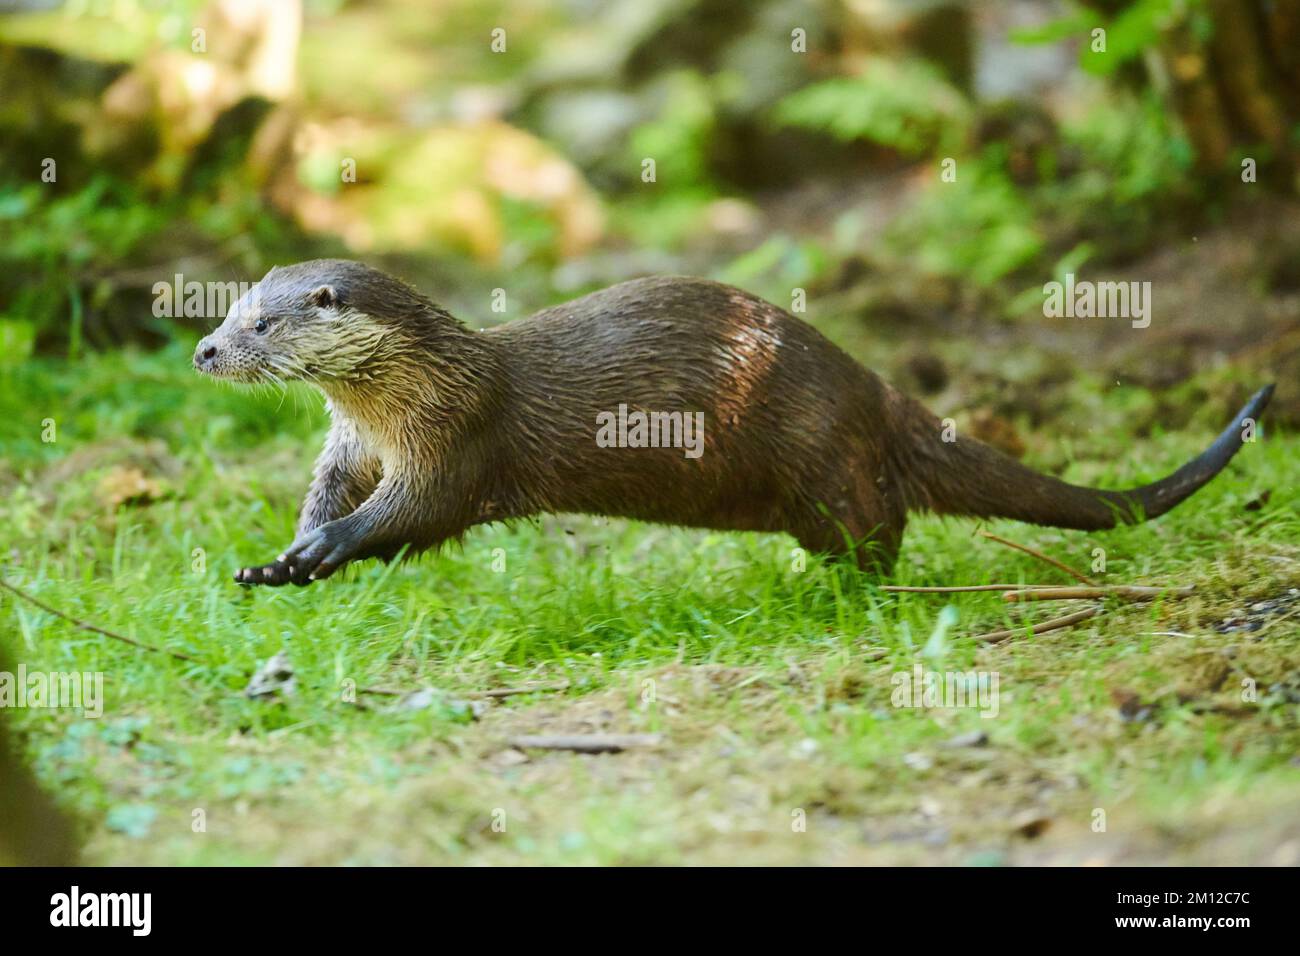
[604,77]
[592,123]
[1005,69]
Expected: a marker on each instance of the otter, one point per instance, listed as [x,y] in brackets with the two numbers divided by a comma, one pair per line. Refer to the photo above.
[436,428]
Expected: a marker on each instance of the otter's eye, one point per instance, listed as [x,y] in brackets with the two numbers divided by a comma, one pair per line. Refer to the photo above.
[261,326]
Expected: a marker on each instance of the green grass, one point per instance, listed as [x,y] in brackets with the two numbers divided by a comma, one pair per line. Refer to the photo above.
[772,687]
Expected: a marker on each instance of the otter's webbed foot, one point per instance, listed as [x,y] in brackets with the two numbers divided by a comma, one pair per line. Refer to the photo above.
[274,574]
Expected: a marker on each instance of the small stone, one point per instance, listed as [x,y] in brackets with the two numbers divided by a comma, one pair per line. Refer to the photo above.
[918,761]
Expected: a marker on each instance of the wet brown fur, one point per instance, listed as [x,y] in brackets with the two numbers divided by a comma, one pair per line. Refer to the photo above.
[442,428]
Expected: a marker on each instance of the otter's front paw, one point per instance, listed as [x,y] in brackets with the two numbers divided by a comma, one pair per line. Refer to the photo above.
[319,553]
[275,574]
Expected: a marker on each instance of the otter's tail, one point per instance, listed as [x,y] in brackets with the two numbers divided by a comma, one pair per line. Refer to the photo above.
[967,477]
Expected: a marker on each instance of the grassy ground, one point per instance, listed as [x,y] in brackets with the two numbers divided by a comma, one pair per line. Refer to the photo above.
[771,686]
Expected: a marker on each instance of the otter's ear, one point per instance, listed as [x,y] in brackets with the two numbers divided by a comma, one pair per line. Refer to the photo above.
[325,297]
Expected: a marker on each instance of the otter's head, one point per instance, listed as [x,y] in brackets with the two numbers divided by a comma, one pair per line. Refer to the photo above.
[323,321]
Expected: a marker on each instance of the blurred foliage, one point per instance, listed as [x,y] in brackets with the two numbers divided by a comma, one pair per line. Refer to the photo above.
[55,243]
[780,263]
[532,159]
[680,136]
[1130,31]
[1130,173]
[907,106]
[980,226]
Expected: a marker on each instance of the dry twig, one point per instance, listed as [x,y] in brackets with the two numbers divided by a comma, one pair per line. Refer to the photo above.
[495,693]
[1054,624]
[533,688]
[587,743]
[94,629]
[1077,575]
[1129,592]
[908,589]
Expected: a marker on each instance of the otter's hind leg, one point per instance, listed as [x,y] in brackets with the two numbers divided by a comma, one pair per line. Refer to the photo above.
[862,522]
[874,548]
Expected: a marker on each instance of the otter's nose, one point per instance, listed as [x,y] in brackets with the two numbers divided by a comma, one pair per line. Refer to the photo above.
[204,354]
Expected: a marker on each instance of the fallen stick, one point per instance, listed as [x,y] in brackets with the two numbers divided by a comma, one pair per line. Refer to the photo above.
[1055,624]
[587,743]
[94,629]
[533,688]
[1077,575]
[1129,592]
[495,692]
[907,589]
